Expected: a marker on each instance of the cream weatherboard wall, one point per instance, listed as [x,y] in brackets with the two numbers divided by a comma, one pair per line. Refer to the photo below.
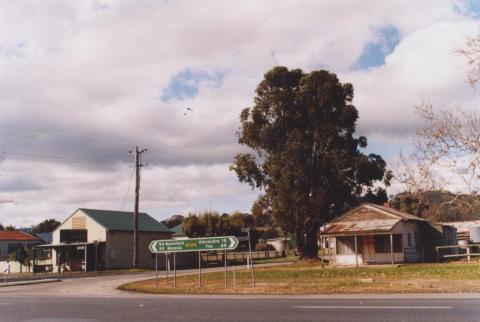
[79,220]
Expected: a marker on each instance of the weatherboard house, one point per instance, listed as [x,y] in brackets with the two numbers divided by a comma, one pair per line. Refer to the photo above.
[91,239]
[373,234]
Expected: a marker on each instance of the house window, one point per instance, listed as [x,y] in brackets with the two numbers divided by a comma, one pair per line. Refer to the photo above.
[382,243]
[346,245]
[73,235]
[13,247]
[409,240]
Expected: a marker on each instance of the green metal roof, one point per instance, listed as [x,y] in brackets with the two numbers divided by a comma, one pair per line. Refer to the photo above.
[123,220]
[178,230]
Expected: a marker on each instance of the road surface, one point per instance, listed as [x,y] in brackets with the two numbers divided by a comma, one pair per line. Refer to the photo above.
[95,299]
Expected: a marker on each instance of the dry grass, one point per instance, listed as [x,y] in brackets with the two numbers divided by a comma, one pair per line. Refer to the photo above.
[311,278]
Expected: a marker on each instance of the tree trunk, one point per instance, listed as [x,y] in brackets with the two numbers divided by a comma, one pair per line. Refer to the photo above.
[311,242]
[300,242]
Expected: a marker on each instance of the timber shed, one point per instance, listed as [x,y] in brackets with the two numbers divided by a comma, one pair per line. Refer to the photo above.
[373,234]
[92,239]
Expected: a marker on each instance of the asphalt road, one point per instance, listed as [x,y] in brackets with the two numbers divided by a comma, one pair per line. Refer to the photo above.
[95,299]
[164,308]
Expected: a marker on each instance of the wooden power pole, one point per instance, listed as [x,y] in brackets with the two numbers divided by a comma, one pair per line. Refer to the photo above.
[138,165]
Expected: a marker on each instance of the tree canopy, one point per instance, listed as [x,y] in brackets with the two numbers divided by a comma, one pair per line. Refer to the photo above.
[438,205]
[173,221]
[305,156]
[46,226]
[210,224]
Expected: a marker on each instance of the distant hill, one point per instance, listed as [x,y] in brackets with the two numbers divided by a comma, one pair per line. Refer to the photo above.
[438,205]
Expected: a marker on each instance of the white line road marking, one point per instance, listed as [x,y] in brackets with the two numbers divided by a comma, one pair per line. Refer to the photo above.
[372,307]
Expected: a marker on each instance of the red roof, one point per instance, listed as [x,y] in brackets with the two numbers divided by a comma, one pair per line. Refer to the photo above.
[16,235]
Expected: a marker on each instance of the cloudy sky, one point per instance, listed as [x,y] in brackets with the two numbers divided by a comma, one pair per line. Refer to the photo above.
[83,82]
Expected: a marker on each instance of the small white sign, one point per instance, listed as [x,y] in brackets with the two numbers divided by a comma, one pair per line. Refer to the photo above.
[6,268]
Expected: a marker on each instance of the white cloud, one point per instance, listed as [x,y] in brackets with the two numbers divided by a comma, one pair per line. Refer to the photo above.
[85,78]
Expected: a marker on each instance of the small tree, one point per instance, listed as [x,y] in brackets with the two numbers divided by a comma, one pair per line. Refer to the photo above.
[193,227]
[173,221]
[46,226]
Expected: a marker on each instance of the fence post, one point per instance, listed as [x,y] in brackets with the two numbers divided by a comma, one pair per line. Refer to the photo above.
[468,253]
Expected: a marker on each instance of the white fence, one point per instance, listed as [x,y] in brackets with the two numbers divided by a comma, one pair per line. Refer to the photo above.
[456,251]
[16,267]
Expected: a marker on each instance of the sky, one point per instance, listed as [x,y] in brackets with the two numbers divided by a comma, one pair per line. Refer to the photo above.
[84,82]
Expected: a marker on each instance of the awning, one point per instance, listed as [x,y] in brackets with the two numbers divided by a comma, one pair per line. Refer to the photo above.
[361,227]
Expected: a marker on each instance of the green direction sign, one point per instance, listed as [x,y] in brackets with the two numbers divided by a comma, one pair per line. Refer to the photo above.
[193,245]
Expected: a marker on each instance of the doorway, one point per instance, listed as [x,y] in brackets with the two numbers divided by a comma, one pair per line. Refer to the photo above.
[368,249]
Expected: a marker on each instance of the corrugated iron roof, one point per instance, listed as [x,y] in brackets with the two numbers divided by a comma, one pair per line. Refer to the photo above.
[367,218]
[123,220]
[396,212]
[361,227]
[16,235]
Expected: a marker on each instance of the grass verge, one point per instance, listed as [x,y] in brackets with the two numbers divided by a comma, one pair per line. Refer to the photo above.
[311,278]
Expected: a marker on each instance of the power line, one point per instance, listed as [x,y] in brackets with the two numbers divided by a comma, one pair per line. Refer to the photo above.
[42,157]
[212,197]
[128,190]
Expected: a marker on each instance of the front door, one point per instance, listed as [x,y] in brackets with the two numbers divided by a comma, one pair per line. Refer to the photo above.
[368,249]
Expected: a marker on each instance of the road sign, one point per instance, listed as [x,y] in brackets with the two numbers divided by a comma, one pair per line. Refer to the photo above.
[194,244]
[6,268]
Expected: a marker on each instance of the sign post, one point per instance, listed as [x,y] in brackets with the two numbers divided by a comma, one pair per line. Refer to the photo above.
[156,270]
[225,268]
[166,267]
[234,278]
[191,245]
[247,230]
[6,270]
[174,270]
[199,269]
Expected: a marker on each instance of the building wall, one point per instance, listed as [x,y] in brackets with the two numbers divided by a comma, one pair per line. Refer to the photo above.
[119,249]
[382,258]
[6,244]
[81,221]
[404,228]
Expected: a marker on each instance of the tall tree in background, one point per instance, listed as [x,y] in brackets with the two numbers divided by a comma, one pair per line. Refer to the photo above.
[305,155]
[46,226]
[173,221]
[209,224]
